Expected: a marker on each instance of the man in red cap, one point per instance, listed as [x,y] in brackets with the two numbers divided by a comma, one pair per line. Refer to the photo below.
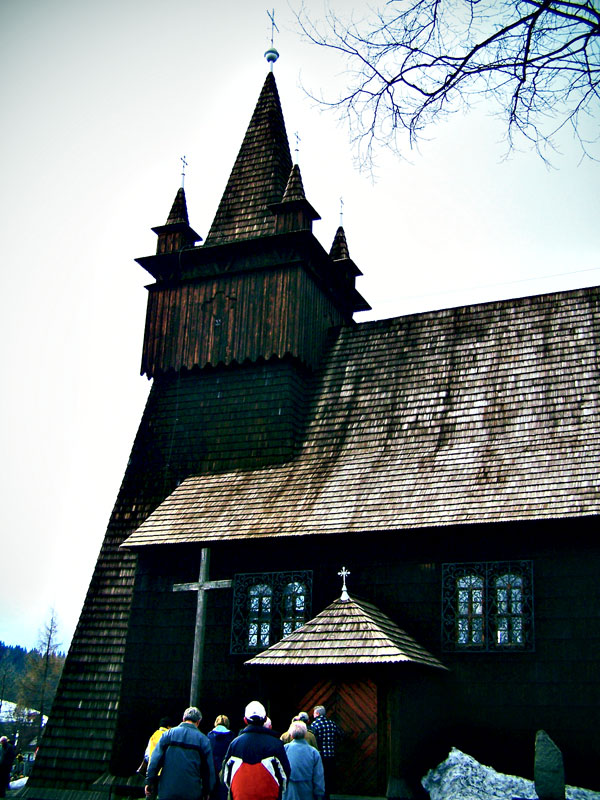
[256,766]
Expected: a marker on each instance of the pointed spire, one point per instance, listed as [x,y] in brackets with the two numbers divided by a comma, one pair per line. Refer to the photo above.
[259,175]
[347,270]
[176,234]
[341,255]
[294,213]
[294,189]
[339,249]
[178,211]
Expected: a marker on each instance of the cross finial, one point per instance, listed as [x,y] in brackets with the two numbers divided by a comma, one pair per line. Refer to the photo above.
[274,27]
[341,212]
[297,148]
[184,165]
[343,573]
[272,55]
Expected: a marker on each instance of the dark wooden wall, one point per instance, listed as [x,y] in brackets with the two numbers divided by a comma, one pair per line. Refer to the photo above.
[489,704]
[234,318]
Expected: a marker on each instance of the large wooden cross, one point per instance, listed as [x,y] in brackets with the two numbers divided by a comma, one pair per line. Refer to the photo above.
[201,586]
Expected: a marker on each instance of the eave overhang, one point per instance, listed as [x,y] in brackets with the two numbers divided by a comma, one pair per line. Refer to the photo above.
[259,253]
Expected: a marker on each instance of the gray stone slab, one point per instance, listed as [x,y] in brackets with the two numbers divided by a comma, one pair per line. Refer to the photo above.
[549,772]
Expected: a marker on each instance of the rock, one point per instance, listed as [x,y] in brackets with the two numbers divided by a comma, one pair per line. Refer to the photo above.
[461,777]
[549,772]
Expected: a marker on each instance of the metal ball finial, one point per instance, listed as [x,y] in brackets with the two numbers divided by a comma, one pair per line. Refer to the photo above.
[271,55]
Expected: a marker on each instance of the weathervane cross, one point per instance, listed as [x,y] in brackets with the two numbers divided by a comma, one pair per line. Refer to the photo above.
[297,148]
[271,15]
[341,220]
[184,165]
[343,573]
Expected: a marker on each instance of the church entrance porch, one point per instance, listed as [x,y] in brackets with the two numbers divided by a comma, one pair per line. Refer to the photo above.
[355,660]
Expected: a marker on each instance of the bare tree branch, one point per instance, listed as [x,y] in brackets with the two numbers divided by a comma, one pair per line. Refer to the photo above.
[414,61]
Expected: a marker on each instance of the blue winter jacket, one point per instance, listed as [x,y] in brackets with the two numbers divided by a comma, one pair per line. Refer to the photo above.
[183,756]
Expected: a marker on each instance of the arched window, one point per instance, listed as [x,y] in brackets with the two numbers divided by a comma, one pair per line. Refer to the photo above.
[469,619]
[487,606]
[294,607]
[509,609]
[268,606]
[260,609]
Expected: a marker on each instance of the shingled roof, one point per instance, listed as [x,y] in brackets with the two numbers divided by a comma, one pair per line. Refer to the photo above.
[346,632]
[484,413]
[259,175]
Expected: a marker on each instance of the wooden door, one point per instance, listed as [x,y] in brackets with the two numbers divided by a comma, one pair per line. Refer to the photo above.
[353,706]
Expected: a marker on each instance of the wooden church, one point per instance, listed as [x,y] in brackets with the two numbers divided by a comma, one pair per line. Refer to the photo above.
[396,519]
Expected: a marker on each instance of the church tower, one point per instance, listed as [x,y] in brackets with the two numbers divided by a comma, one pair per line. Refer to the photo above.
[234,329]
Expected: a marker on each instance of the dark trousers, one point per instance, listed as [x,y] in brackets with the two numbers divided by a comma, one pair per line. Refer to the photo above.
[330,771]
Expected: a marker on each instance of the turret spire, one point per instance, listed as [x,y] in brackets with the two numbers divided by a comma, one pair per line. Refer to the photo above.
[175,235]
[294,213]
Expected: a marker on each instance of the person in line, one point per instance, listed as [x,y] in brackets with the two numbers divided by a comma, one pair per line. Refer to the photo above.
[181,766]
[307,779]
[7,757]
[328,735]
[302,716]
[256,764]
[163,726]
[220,738]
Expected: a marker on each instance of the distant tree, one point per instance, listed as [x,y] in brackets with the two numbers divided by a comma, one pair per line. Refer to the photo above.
[7,677]
[414,61]
[43,669]
[12,662]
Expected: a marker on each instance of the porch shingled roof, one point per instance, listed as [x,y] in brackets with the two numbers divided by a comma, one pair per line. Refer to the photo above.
[346,632]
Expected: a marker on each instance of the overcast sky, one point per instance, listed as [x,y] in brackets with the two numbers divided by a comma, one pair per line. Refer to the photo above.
[99,102]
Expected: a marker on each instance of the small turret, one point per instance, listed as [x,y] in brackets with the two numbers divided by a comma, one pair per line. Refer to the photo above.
[294,213]
[176,234]
[341,256]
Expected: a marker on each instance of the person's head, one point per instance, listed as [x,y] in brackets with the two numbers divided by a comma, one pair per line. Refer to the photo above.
[222,720]
[3,741]
[255,713]
[192,714]
[303,717]
[319,711]
[297,730]
[165,722]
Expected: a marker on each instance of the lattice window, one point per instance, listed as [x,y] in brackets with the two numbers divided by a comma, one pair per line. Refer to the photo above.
[509,612]
[260,606]
[487,606]
[268,606]
[469,612]
[294,607]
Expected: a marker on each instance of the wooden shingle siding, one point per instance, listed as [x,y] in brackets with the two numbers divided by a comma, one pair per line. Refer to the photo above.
[476,414]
